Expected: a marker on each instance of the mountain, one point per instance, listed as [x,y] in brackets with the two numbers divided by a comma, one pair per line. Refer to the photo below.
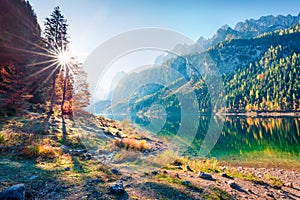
[259,74]
[243,30]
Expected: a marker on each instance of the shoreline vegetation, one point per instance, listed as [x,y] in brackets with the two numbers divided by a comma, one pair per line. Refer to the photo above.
[263,114]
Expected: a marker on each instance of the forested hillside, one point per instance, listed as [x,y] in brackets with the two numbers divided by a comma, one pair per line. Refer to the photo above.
[259,74]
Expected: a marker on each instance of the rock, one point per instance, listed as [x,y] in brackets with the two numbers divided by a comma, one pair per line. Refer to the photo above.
[115,171]
[223,168]
[64,187]
[96,181]
[187,183]
[177,163]
[205,176]
[154,172]
[269,194]
[234,185]
[289,184]
[67,169]
[97,194]
[64,148]
[117,188]
[226,175]
[33,177]
[15,192]
[87,156]
[250,191]
[189,169]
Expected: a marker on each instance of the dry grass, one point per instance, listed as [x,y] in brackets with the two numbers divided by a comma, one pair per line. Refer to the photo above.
[131,144]
[40,151]
[126,155]
[164,158]
[274,181]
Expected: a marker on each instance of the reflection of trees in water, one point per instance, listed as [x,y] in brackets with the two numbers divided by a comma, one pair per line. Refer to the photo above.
[246,134]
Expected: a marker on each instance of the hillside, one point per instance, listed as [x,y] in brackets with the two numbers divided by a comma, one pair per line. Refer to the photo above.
[259,74]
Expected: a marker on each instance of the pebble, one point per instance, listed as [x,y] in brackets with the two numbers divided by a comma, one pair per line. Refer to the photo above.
[205,176]
[97,181]
[226,175]
[234,185]
[114,171]
[154,172]
[33,177]
[67,169]
[189,168]
[289,184]
[188,183]
[269,194]
[117,188]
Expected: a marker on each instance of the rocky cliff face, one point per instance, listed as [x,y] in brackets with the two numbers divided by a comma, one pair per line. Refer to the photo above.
[243,30]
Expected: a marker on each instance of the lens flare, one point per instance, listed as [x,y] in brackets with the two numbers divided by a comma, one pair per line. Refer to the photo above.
[64,58]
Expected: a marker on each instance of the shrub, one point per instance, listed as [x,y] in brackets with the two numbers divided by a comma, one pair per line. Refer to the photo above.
[274,181]
[131,144]
[40,151]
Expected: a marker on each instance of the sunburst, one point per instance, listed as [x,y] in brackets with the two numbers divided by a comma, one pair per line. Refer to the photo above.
[53,58]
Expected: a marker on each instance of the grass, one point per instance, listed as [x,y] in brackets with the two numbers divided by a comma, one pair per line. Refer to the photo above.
[131,144]
[126,155]
[218,194]
[169,179]
[274,181]
[40,151]
[163,158]
[244,176]
[209,165]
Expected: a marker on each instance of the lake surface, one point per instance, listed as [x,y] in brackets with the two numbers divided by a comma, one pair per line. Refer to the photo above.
[273,140]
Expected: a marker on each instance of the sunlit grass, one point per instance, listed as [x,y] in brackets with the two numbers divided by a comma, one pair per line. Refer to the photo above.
[274,181]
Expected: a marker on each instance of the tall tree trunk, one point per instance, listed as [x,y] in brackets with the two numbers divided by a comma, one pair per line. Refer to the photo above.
[64,91]
[52,95]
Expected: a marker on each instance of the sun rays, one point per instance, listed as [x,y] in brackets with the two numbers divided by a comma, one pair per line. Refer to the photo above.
[48,59]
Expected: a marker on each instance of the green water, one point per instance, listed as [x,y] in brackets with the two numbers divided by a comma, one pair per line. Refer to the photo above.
[257,138]
[241,138]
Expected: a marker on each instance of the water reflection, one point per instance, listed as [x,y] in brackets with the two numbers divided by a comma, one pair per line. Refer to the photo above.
[241,137]
[264,136]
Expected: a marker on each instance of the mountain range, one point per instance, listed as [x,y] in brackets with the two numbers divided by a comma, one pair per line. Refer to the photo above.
[257,59]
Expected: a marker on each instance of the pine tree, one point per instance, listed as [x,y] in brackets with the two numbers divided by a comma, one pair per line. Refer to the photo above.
[56,40]
[69,87]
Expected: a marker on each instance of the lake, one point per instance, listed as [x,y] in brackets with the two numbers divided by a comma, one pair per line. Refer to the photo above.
[242,139]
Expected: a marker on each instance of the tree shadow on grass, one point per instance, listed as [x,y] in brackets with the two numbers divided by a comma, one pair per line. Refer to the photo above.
[39,183]
[163,191]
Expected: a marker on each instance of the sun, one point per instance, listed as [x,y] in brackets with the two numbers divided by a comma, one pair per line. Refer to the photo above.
[64,58]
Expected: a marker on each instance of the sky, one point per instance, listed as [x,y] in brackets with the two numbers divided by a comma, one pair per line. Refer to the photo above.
[92,22]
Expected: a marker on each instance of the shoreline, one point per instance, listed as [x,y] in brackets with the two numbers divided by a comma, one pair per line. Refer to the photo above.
[262,114]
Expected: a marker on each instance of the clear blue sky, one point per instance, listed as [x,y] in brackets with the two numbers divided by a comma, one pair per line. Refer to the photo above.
[93,21]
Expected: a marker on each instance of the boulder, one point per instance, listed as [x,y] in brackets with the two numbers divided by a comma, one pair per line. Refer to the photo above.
[15,192]
[117,188]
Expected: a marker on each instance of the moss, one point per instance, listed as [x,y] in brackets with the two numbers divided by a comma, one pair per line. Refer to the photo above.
[244,176]
[274,181]
[169,179]
[218,194]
